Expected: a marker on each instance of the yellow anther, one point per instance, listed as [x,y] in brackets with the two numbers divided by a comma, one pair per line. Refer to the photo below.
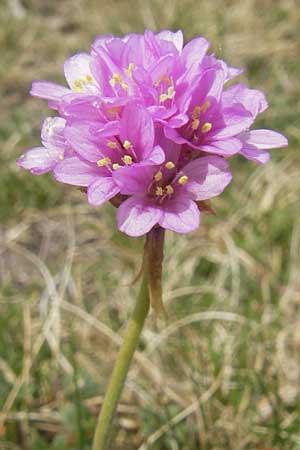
[89,79]
[183,179]
[117,79]
[61,157]
[205,106]
[124,86]
[78,86]
[111,144]
[169,189]
[104,161]
[169,165]
[195,124]
[116,166]
[196,112]
[127,144]
[127,160]
[130,69]
[206,127]
[159,191]
[171,92]
[158,176]
[163,98]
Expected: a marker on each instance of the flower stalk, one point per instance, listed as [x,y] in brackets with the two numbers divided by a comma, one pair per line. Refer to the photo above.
[118,378]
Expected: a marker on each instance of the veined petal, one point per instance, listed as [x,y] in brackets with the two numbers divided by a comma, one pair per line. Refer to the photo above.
[134,179]
[101,190]
[224,147]
[234,120]
[137,128]
[48,90]
[39,160]
[77,70]
[74,171]
[181,214]
[136,216]
[252,100]
[265,139]
[207,177]
[175,37]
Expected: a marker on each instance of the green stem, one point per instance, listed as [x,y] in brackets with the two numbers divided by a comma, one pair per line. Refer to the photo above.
[114,390]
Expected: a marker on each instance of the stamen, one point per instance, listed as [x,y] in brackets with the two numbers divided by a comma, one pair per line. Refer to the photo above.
[78,86]
[117,79]
[104,161]
[127,160]
[116,166]
[158,176]
[195,124]
[130,70]
[169,165]
[169,189]
[206,127]
[196,112]
[159,191]
[127,144]
[163,98]
[89,79]
[183,179]
[111,144]
[205,106]
[171,94]
[61,157]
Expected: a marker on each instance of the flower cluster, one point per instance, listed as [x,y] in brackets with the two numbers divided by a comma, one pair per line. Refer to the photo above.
[149,123]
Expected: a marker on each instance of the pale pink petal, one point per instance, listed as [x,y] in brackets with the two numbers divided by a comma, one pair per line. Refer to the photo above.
[48,90]
[101,190]
[176,38]
[74,171]
[77,68]
[265,139]
[207,177]
[137,128]
[134,179]
[136,216]
[225,147]
[39,160]
[181,215]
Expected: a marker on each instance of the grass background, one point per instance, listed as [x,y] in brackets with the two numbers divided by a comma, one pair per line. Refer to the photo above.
[223,373]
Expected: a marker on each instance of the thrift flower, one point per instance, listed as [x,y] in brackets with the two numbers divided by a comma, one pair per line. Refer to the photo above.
[147,122]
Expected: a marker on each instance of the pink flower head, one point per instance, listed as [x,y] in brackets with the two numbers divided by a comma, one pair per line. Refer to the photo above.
[149,121]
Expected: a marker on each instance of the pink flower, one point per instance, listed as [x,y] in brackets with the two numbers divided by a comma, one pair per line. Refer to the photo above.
[149,121]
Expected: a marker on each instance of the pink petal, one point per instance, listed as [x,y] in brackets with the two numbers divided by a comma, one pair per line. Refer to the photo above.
[137,127]
[194,51]
[74,171]
[207,177]
[101,190]
[225,147]
[253,100]
[181,215]
[265,139]
[52,133]
[235,119]
[176,38]
[156,156]
[39,160]
[134,179]
[136,216]
[77,67]
[48,90]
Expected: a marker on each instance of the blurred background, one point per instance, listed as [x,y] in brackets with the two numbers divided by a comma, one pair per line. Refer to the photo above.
[223,372]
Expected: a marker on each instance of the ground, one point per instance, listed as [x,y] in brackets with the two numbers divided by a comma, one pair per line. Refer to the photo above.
[223,371]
